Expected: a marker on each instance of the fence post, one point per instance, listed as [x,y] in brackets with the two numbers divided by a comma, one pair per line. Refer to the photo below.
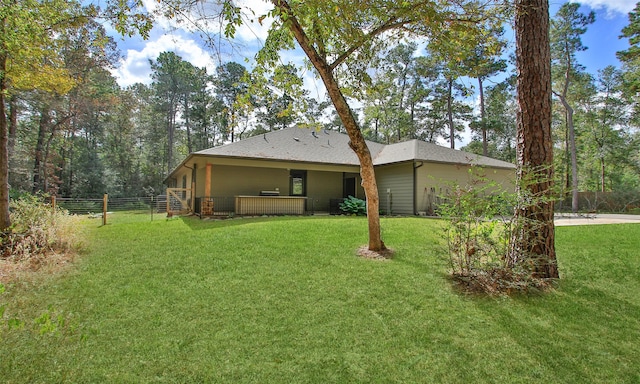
[53,204]
[105,199]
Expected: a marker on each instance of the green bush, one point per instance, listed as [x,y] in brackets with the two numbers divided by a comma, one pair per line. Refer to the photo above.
[479,233]
[353,206]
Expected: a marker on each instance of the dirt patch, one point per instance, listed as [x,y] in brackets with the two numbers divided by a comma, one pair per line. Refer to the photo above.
[385,254]
[501,281]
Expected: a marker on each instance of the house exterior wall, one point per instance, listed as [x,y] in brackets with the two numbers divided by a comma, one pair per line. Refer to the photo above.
[201,175]
[233,180]
[323,186]
[180,177]
[395,188]
[434,180]
[229,180]
[414,187]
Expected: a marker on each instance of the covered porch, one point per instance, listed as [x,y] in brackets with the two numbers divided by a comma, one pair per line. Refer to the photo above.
[228,186]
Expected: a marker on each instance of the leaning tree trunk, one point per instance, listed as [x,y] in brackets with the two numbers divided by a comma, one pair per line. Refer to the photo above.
[533,244]
[357,141]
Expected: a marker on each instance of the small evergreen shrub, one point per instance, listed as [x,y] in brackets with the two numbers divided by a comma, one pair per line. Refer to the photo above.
[354,206]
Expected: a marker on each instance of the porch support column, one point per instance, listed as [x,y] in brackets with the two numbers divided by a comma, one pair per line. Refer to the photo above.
[207,180]
[193,196]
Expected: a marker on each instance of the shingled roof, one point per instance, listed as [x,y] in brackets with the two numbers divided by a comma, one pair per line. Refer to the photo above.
[423,151]
[294,144]
[331,147]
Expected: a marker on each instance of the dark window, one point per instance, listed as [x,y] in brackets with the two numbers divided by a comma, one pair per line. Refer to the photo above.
[298,185]
[349,187]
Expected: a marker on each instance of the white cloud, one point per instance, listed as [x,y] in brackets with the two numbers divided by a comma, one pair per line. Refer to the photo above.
[252,30]
[135,67]
[612,6]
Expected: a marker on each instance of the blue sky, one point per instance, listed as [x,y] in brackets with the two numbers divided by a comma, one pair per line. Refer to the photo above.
[601,39]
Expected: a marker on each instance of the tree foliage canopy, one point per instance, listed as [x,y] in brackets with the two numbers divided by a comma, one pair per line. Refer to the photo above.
[72,130]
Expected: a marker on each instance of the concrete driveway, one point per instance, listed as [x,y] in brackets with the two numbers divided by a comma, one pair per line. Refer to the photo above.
[562,219]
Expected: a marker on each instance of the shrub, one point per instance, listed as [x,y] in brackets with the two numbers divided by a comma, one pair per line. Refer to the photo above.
[36,230]
[353,206]
[479,232]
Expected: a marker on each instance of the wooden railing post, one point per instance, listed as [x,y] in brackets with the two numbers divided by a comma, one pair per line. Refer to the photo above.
[105,199]
[207,180]
[53,204]
[168,203]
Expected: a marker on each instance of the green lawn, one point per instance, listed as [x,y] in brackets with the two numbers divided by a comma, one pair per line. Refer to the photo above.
[285,300]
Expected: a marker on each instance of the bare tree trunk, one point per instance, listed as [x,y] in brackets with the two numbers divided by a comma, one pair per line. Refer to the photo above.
[46,170]
[571,132]
[376,125]
[534,244]
[401,105]
[357,141]
[485,147]
[412,134]
[602,174]
[13,125]
[170,137]
[5,221]
[452,127]
[232,125]
[567,164]
[187,124]
[71,164]
[38,155]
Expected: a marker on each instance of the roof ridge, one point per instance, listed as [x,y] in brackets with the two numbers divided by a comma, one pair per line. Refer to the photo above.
[415,148]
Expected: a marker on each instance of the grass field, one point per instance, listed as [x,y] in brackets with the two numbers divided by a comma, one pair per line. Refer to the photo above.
[285,300]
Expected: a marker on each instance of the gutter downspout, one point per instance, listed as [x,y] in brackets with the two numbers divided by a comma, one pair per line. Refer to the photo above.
[415,182]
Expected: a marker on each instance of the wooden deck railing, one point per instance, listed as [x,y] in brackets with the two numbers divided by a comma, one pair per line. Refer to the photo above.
[270,205]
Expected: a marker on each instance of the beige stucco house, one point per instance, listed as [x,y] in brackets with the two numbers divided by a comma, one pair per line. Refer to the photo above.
[299,170]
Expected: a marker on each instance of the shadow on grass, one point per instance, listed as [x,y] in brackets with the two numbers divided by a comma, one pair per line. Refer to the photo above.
[195,223]
[579,333]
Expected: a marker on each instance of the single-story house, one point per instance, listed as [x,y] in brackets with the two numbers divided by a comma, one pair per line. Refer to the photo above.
[300,170]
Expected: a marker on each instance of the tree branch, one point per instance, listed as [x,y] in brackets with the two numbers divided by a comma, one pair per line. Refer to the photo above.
[299,33]
[388,25]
